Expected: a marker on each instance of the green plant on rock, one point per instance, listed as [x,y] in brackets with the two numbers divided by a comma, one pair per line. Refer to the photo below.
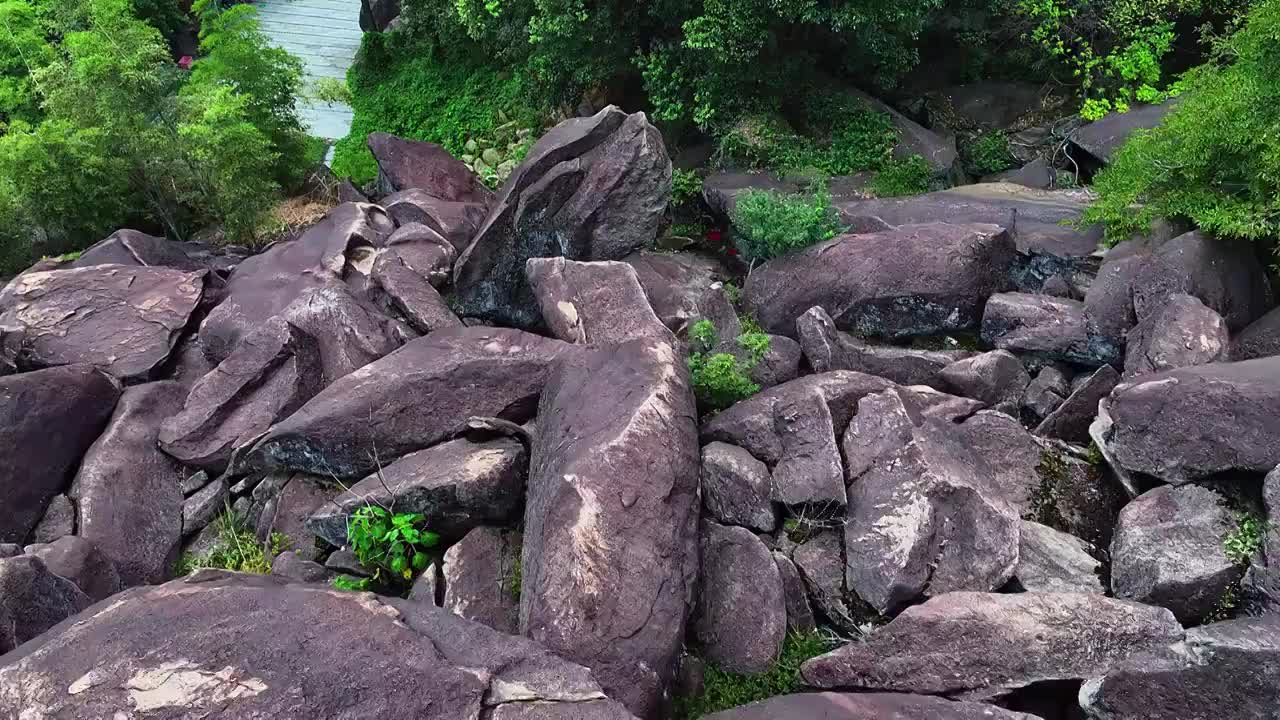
[723,690]
[392,545]
[1242,543]
[987,154]
[236,548]
[721,379]
[769,224]
[902,177]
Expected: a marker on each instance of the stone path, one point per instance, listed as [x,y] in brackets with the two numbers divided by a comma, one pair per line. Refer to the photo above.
[326,35]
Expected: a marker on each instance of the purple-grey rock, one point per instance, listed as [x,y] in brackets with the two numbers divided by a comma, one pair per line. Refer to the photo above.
[794,595]
[1101,138]
[1260,339]
[80,561]
[596,303]
[59,521]
[1046,327]
[48,419]
[820,560]
[290,566]
[810,471]
[1225,275]
[412,295]
[130,247]
[865,706]
[741,619]
[1108,305]
[1271,505]
[679,285]
[1053,561]
[455,221]
[983,646]
[996,378]
[1047,391]
[827,349]
[481,578]
[287,514]
[201,508]
[611,522]
[32,600]
[348,334]
[779,364]
[1071,420]
[736,488]
[1180,333]
[405,164]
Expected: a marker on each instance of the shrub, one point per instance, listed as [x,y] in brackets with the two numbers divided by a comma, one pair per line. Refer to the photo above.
[723,690]
[851,138]
[1215,160]
[686,187]
[236,548]
[768,224]
[721,379]
[987,154]
[392,545]
[903,177]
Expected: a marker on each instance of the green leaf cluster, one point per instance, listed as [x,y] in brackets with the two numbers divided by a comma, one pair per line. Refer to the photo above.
[721,379]
[1246,539]
[394,546]
[768,224]
[987,154]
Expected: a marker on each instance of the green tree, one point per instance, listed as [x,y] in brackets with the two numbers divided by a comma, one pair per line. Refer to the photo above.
[23,50]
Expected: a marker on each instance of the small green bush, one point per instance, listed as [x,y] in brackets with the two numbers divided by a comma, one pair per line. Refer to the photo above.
[769,224]
[703,336]
[848,137]
[903,177]
[987,154]
[686,187]
[719,380]
[1243,542]
[392,545]
[236,548]
[723,690]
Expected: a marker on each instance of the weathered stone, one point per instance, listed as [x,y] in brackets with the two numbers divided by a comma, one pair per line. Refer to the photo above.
[1100,139]
[982,646]
[779,364]
[48,419]
[1224,274]
[1227,669]
[883,425]
[996,378]
[8,550]
[425,251]
[810,471]
[287,513]
[1037,175]
[865,706]
[412,294]
[1047,327]
[1271,504]
[404,164]
[123,319]
[130,247]
[1191,423]
[456,222]
[412,399]
[345,561]
[742,617]
[1071,420]
[598,303]
[458,485]
[736,488]
[590,189]
[1108,305]
[1260,339]
[200,509]
[290,566]
[1180,333]
[679,285]
[610,552]
[32,600]
[271,373]
[482,578]
[429,586]
[377,15]
[1047,391]
[1011,454]
[1168,551]
[1053,561]
[911,280]
[250,648]
[828,349]
[59,521]
[794,595]
[820,560]
[264,285]
[81,562]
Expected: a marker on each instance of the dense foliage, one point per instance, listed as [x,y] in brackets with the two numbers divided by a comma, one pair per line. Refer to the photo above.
[1215,160]
[235,548]
[721,379]
[393,547]
[768,224]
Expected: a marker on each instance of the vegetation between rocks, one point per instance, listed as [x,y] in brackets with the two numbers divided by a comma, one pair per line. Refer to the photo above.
[393,546]
[721,379]
[236,548]
[723,690]
[769,224]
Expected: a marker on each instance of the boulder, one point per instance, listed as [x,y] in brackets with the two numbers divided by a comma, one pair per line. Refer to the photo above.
[290,566]
[1169,551]
[130,247]
[597,303]
[590,189]
[80,561]
[865,706]
[457,485]
[272,372]
[287,513]
[741,618]
[911,280]
[720,190]
[1012,454]
[199,510]
[1227,669]
[425,251]
[455,222]
[264,285]
[1193,422]
[1271,505]
[376,15]
[736,488]
[1181,333]
[250,648]
[1053,561]
[348,334]
[412,295]
[1108,304]
[482,578]
[129,492]
[37,462]
[779,364]
[1260,339]
[996,378]
[820,560]
[1071,420]
[59,521]
[1074,495]
[794,594]
[809,471]
[984,646]
[1045,327]
[412,399]
[610,552]
[1047,390]
[124,319]
[677,285]
[1225,275]
[405,164]
[827,349]
[32,600]
[1037,175]
[1100,139]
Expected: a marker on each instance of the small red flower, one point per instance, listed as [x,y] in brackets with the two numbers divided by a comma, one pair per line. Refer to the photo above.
[715,235]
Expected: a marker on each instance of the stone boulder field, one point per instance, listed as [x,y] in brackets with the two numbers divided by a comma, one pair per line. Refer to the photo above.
[445,455]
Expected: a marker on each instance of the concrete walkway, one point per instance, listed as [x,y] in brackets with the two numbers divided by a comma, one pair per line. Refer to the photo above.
[325,34]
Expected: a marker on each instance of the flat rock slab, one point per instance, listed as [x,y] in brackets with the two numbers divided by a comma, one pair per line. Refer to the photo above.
[865,706]
[827,349]
[983,646]
[598,303]
[250,648]
[611,523]
[907,281]
[482,578]
[1046,327]
[412,399]
[124,319]
[742,615]
[1101,138]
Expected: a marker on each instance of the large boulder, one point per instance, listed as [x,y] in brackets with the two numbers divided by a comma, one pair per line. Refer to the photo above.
[827,349]
[405,164]
[1048,328]
[412,399]
[1169,550]
[124,319]
[48,419]
[742,616]
[265,284]
[1100,139]
[1194,422]
[482,578]
[127,491]
[1224,670]
[32,600]
[457,485]
[252,646]
[983,646]
[865,706]
[590,189]
[130,247]
[597,303]
[910,280]
[1260,339]
[1180,333]
[80,561]
[679,285]
[810,471]
[611,523]
[456,222]
[348,334]
[411,294]
[1225,275]
[271,373]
